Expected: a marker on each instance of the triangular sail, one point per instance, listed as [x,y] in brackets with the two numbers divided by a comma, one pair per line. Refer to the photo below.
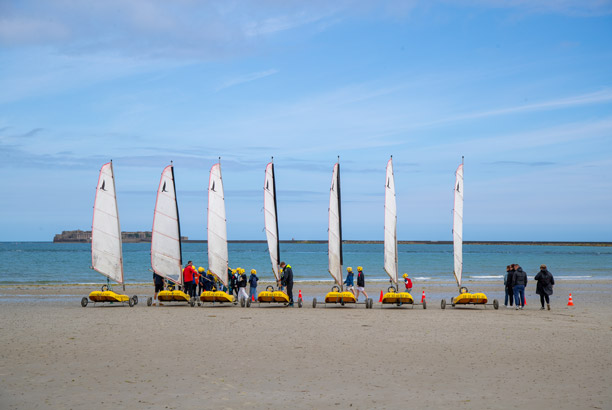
[335,228]
[458,225]
[271,219]
[106,254]
[166,258]
[390,224]
[217,226]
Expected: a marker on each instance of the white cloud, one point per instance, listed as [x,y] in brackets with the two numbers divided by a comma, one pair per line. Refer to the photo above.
[246,78]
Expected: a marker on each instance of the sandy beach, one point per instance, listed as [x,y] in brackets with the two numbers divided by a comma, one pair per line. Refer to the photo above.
[56,354]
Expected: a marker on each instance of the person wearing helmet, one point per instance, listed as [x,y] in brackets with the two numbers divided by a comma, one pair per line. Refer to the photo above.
[360,283]
[349,282]
[407,282]
[232,288]
[287,280]
[253,284]
[242,283]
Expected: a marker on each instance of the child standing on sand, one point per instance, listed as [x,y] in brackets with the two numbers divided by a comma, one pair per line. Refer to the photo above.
[407,282]
[349,281]
[360,283]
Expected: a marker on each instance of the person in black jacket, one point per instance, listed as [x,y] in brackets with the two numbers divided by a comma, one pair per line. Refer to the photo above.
[233,287]
[253,279]
[287,280]
[509,297]
[360,283]
[519,282]
[544,288]
[241,282]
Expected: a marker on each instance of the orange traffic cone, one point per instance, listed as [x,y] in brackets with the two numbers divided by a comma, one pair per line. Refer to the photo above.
[381,296]
[570,302]
[300,294]
[423,297]
[253,297]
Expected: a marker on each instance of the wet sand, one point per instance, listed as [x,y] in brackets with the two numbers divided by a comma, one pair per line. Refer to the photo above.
[56,354]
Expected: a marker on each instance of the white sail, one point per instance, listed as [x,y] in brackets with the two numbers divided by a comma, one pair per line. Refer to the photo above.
[271,219]
[217,226]
[458,225]
[106,254]
[334,249]
[166,234]
[390,224]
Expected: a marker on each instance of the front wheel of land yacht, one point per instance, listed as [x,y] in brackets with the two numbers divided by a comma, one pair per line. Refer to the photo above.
[242,304]
[248,303]
[424,305]
[300,302]
[314,303]
[192,302]
[453,302]
[371,303]
[443,304]
[135,299]
[149,301]
[84,302]
[495,304]
[131,302]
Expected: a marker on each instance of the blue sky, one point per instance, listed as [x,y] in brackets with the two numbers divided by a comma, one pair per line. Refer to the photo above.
[522,89]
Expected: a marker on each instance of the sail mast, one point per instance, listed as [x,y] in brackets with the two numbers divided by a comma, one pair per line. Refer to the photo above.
[271,219]
[106,249]
[217,225]
[166,259]
[458,225]
[390,238]
[178,224]
[335,228]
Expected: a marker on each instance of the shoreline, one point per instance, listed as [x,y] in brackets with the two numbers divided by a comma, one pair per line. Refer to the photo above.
[375,242]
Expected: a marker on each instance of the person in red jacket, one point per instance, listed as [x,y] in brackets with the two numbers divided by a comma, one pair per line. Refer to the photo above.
[189,279]
[407,282]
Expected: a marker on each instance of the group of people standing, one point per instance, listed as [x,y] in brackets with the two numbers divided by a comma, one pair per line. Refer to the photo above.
[515,281]
[196,281]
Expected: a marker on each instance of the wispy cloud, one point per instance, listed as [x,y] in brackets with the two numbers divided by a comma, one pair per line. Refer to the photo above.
[524,163]
[246,78]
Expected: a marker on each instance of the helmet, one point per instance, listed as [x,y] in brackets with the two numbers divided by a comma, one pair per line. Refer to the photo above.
[405,275]
[253,271]
[234,270]
[349,269]
[200,269]
[242,270]
[359,268]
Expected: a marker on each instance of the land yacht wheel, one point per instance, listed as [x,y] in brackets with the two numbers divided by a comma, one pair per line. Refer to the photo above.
[135,299]
[443,304]
[300,302]
[242,303]
[149,301]
[424,305]
[314,303]
[192,302]
[131,302]
[84,302]
[495,304]
[248,303]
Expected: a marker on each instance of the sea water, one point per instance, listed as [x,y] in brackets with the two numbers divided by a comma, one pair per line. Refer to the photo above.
[49,263]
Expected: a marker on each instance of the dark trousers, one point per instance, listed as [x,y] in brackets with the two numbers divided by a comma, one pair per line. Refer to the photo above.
[509,296]
[190,289]
[290,292]
[543,297]
[519,295]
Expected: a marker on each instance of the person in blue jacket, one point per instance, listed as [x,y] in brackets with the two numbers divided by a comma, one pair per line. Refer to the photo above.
[253,279]
[349,281]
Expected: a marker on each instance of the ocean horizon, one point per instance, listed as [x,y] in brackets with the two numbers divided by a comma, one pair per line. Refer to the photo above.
[69,263]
